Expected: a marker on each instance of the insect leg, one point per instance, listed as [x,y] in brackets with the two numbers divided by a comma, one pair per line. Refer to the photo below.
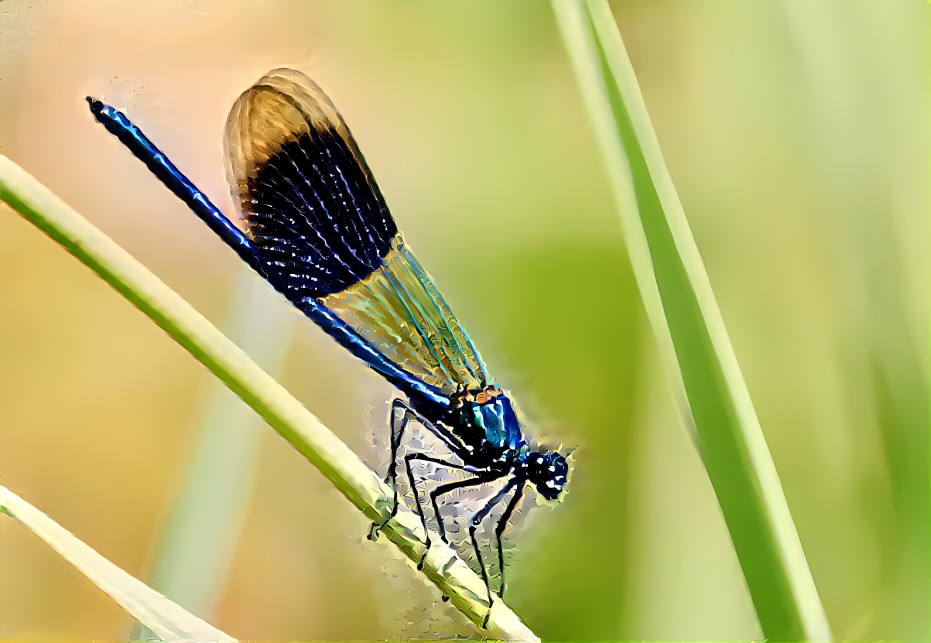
[423,519]
[482,476]
[401,414]
[501,526]
[443,489]
[474,523]
[459,484]
[444,436]
[399,422]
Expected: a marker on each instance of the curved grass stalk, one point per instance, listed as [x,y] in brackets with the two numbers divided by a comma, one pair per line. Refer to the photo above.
[358,482]
[197,546]
[166,619]
[712,395]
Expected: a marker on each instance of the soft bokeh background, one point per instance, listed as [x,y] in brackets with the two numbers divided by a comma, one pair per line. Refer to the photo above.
[796,134]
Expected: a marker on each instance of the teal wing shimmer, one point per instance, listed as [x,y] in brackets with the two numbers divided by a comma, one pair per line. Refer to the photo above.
[399,310]
[322,231]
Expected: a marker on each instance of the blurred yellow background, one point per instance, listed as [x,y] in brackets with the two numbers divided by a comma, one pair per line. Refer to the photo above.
[796,134]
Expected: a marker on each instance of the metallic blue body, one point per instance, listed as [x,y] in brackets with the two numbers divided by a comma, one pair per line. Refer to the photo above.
[427,399]
[479,426]
[489,431]
[144,150]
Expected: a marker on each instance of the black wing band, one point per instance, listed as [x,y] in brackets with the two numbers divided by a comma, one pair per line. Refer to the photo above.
[315,214]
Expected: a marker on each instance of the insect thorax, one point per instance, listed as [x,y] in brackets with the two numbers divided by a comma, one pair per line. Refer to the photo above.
[486,424]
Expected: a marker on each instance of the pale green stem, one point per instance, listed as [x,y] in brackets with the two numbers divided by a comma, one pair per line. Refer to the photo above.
[693,342]
[338,463]
[198,543]
[166,619]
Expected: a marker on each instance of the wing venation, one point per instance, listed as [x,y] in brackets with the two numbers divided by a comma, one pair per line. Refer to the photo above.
[322,230]
[309,201]
[399,310]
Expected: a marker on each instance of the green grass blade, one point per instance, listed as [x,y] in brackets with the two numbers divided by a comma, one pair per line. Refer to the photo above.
[691,334]
[358,482]
[198,543]
[165,618]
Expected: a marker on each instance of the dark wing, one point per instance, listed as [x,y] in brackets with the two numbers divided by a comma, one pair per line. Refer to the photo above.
[322,230]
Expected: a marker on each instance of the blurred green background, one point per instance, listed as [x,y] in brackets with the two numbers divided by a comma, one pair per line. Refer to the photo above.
[796,134]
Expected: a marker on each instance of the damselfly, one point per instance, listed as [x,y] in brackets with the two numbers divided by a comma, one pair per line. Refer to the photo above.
[318,230]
